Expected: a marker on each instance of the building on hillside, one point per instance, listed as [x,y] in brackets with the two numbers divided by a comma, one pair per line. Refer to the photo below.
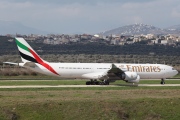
[155,41]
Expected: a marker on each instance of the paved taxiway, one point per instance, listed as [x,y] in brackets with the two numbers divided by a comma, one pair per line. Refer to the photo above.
[72,86]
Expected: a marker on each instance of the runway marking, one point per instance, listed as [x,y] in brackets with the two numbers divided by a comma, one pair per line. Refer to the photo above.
[72,86]
[53,86]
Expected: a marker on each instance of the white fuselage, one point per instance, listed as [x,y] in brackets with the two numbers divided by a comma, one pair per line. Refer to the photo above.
[89,70]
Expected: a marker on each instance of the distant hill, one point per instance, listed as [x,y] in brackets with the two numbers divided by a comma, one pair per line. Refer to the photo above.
[10,27]
[137,29]
[175,27]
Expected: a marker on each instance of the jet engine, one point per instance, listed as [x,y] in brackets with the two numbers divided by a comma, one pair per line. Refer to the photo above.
[130,77]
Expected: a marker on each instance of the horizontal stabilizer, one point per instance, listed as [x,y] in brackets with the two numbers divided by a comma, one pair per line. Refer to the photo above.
[11,63]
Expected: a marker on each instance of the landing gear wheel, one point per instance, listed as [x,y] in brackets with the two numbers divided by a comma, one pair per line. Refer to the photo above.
[162,82]
[105,82]
[92,82]
[88,83]
[101,83]
[97,82]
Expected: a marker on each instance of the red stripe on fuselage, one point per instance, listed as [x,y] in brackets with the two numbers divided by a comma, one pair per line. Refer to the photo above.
[40,61]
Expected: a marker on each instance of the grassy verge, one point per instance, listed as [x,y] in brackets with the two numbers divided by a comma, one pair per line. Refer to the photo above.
[71,104]
[104,103]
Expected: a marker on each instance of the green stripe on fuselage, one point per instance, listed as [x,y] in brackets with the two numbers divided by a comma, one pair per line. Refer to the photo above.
[22,46]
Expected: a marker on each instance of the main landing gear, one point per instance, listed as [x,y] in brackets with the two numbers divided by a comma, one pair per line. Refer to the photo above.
[162,81]
[95,82]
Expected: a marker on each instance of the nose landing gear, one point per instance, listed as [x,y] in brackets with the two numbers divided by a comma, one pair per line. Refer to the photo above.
[162,81]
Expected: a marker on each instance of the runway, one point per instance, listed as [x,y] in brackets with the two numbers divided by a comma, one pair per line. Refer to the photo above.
[81,86]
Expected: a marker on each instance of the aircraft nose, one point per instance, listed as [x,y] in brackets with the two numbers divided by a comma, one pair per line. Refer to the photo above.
[176,72]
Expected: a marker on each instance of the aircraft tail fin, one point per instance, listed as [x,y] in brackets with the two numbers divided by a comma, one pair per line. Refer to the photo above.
[26,52]
[29,56]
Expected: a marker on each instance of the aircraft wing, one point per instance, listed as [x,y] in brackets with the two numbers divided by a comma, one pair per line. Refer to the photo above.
[27,64]
[114,69]
[114,73]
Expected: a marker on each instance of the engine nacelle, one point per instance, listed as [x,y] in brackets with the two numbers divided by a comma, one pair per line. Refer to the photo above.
[135,80]
[131,77]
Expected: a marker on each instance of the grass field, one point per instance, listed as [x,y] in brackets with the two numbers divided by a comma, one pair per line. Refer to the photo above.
[132,103]
[92,103]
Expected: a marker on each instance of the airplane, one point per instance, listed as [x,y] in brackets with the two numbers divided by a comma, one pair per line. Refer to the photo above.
[98,73]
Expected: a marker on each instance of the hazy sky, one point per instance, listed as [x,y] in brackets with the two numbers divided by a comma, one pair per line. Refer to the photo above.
[89,16]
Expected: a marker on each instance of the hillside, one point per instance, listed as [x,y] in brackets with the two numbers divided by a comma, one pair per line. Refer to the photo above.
[175,27]
[137,29]
[10,48]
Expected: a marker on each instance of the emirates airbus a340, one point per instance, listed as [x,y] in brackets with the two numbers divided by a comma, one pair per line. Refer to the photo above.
[97,73]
